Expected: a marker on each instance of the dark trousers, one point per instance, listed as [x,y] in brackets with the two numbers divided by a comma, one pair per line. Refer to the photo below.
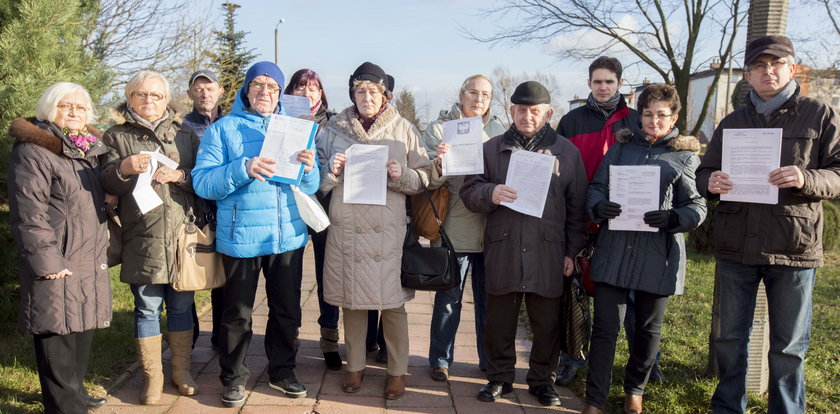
[610,307]
[281,272]
[329,313]
[500,337]
[62,363]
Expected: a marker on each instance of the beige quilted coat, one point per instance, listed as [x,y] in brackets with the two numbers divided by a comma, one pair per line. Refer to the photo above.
[364,242]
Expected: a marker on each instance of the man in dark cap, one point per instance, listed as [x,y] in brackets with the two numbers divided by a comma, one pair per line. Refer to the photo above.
[204,92]
[780,244]
[526,257]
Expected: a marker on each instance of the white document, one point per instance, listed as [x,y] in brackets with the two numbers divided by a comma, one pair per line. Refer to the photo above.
[294,105]
[145,196]
[285,137]
[163,159]
[466,152]
[636,188]
[529,173]
[365,175]
[749,155]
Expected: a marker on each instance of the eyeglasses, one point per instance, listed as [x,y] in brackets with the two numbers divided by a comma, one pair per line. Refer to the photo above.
[761,67]
[651,115]
[472,93]
[309,88]
[79,109]
[258,86]
[143,95]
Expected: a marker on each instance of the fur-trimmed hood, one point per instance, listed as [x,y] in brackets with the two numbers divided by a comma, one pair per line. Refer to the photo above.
[678,143]
[28,130]
[347,123]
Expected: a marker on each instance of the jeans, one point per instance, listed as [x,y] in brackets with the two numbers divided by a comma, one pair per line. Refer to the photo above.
[789,299]
[148,306]
[447,314]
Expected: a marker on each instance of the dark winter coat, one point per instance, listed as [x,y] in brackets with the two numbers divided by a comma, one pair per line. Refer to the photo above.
[148,251]
[646,261]
[788,233]
[58,219]
[524,253]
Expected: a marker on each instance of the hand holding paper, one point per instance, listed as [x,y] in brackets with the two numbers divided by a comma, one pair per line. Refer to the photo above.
[307,157]
[503,193]
[135,164]
[258,167]
[719,183]
[787,177]
[338,161]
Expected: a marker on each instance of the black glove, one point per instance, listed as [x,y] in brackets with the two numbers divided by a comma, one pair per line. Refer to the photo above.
[607,210]
[661,218]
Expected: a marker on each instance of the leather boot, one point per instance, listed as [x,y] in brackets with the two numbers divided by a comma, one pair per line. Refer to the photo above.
[180,343]
[590,409]
[395,387]
[633,404]
[149,349]
[329,346]
[353,381]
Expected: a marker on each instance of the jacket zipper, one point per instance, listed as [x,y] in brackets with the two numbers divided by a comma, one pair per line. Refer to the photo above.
[233,222]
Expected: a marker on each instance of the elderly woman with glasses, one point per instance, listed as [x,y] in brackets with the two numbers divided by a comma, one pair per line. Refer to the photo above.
[259,230]
[57,216]
[651,263]
[146,123]
[364,244]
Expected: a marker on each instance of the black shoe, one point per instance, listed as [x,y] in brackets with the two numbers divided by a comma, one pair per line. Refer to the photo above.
[382,356]
[656,374]
[372,348]
[234,396]
[566,375]
[546,394]
[94,403]
[493,390]
[289,386]
[333,360]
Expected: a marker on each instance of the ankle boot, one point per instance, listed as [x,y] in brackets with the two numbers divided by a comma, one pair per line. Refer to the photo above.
[149,350]
[395,387]
[633,404]
[353,381]
[329,346]
[180,343]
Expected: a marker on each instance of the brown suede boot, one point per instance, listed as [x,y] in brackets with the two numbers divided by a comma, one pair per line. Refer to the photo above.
[633,404]
[353,381]
[395,387]
[149,350]
[180,343]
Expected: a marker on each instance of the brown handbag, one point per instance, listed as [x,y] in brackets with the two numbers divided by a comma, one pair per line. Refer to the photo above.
[198,265]
[423,218]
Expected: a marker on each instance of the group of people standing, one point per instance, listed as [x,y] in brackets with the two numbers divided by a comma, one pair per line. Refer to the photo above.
[65,176]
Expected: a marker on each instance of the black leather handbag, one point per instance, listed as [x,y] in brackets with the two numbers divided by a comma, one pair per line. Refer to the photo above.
[429,268]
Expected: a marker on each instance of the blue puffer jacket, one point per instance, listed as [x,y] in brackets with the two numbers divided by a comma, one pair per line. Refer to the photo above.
[254,218]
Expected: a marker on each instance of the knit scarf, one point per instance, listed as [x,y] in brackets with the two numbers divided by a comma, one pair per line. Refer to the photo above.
[767,107]
[314,109]
[606,108]
[367,123]
[142,121]
[543,138]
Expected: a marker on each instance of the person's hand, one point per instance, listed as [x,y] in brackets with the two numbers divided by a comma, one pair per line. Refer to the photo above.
[659,218]
[259,166]
[112,201]
[58,275]
[503,193]
[442,148]
[568,266]
[787,177]
[307,157]
[165,175]
[394,170]
[719,183]
[135,164]
[338,161]
[607,210]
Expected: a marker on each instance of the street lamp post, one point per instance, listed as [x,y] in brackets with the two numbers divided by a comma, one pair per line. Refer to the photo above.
[276,40]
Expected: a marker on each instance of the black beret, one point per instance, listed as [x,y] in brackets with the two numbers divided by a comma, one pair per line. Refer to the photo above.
[368,72]
[530,93]
[390,84]
[776,45]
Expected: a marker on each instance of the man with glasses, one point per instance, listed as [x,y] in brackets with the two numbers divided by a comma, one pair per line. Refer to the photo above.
[464,228]
[780,244]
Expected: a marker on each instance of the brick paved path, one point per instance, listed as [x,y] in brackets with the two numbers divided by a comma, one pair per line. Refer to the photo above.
[423,395]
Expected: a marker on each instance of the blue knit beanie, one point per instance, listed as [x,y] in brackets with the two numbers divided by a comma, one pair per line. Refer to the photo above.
[259,69]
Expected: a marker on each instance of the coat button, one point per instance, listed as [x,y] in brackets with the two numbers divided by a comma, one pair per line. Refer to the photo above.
[377,229]
[505,234]
[358,260]
[377,258]
[524,250]
[103,266]
[523,287]
[358,230]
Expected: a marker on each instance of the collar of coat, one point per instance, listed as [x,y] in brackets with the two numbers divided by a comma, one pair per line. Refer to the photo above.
[28,130]
[347,123]
[164,131]
[457,113]
[678,143]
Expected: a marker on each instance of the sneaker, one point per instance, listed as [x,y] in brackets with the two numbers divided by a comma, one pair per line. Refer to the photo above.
[289,386]
[234,396]
[440,374]
[566,375]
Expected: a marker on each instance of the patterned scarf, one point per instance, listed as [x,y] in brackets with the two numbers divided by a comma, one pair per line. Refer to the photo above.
[544,138]
[606,108]
[314,109]
[83,139]
[767,107]
[367,123]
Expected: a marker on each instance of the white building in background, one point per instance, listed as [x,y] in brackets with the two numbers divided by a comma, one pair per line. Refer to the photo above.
[719,106]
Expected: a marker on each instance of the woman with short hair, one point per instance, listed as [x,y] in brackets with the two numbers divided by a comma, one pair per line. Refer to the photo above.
[146,123]
[57,215]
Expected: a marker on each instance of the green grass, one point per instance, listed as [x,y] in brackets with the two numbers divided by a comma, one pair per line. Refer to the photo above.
[113,351]
[685,349]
